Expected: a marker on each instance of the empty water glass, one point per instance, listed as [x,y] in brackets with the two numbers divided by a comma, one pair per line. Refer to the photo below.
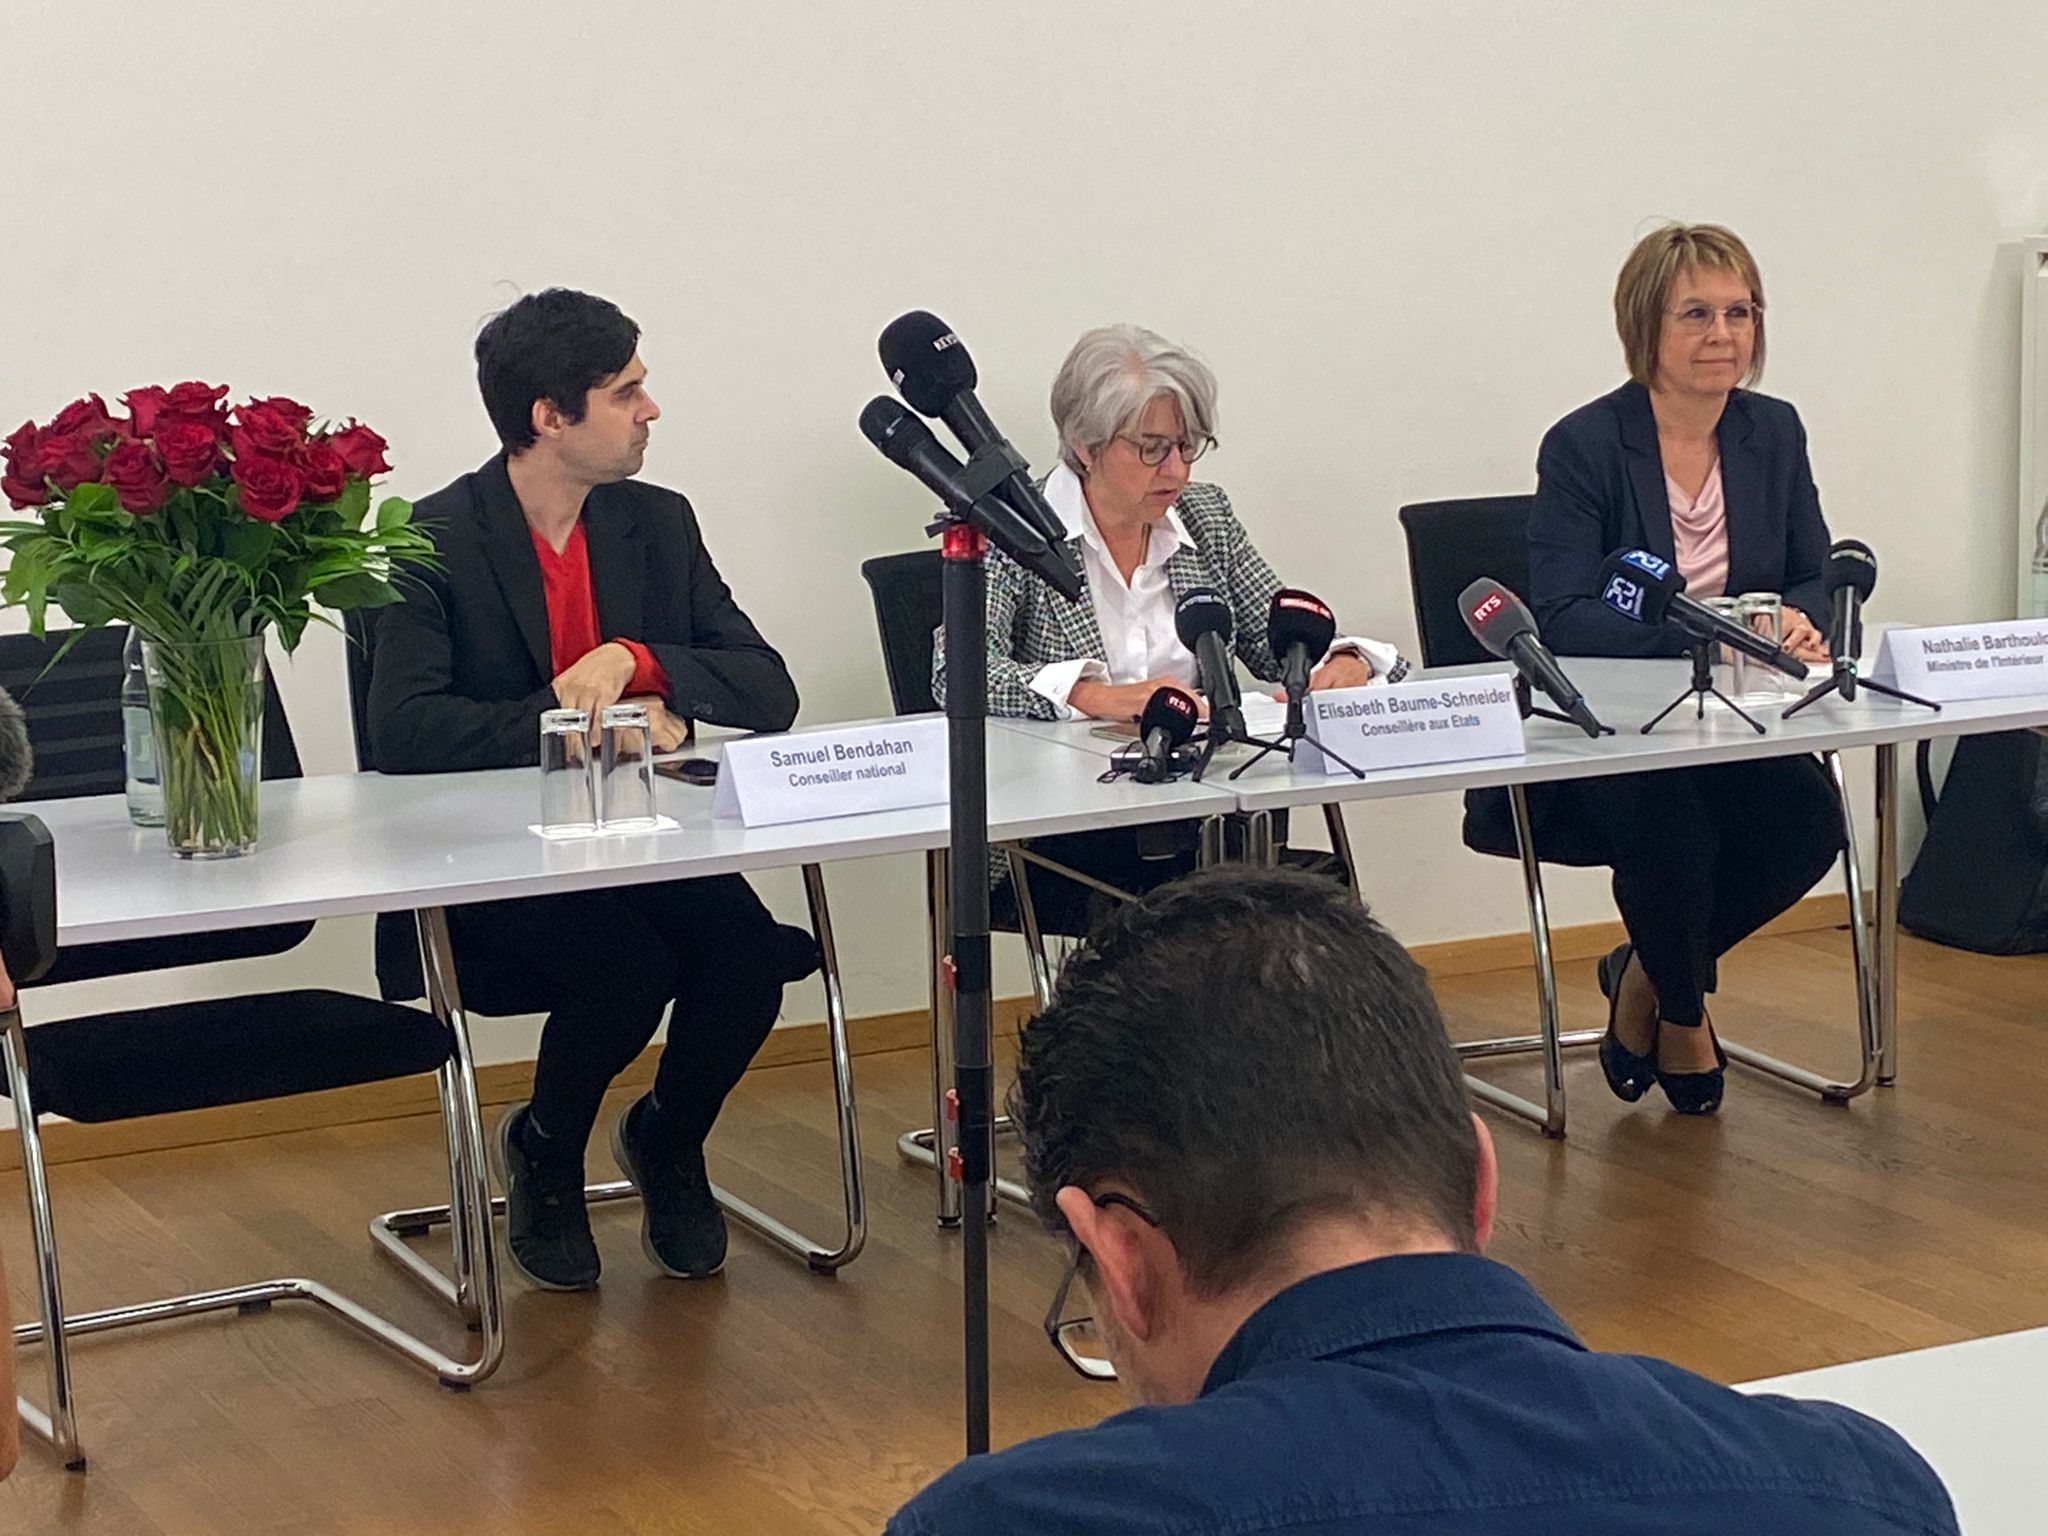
[1763,614]
[568,800]
[626,763]
[1726,659]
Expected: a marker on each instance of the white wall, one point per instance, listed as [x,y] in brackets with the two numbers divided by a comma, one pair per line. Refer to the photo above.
[1393,228]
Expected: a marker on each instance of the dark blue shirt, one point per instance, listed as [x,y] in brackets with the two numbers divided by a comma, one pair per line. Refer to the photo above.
[1437,1392]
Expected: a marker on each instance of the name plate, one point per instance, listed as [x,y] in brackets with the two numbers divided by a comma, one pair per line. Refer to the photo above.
[1993,660]
[846,771]
[1401,725]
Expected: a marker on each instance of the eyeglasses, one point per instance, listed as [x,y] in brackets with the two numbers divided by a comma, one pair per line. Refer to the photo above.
[1152,451]
[1076,1338]
[1698,319]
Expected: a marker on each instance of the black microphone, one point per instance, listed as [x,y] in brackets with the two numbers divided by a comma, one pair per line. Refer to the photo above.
[1850,578]
[1638,585]
[908,443]
[930,366]
[1203,621]
[1165,726]
[1299,628]
[17,761]
[1502,623]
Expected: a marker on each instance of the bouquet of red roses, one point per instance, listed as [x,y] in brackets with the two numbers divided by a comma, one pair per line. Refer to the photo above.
[204,526]
[195,520]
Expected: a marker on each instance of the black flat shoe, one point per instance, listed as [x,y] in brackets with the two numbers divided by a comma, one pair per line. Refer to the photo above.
[1628,1074]
[1695,1093]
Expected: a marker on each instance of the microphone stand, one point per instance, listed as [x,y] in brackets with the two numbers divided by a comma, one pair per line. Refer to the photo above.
[1843,680]
[1529,709]
[1284,744]
[1698,690]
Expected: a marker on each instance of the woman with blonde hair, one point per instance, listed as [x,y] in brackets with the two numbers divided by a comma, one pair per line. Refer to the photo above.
[1687,461]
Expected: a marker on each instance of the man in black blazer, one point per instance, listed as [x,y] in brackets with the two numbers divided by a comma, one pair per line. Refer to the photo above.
[565,583]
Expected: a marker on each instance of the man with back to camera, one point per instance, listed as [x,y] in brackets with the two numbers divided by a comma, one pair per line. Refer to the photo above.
[564,582]
[1243,1109]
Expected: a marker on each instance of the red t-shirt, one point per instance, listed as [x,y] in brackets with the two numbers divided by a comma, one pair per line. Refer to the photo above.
[572,613]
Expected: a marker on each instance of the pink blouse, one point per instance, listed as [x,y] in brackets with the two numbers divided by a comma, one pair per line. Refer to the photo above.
[1699,532]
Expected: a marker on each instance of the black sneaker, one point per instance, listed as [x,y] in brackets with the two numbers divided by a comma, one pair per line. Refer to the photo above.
[547,1224]
[681,1227]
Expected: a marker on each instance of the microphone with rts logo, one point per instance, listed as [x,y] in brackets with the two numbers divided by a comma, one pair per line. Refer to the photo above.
[1164,728]
[1502,623]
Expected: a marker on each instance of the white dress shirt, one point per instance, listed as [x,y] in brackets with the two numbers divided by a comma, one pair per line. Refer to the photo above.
[1136,617]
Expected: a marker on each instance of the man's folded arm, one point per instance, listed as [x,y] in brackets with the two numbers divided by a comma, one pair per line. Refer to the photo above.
[418,724]
[727,675]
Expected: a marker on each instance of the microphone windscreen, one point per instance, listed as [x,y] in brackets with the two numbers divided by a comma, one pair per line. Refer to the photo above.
[1494,615]
[17,762]
[1639,585]
[1299,618]
[1171,710]
[926,361]
[1851,564]
[1202,611]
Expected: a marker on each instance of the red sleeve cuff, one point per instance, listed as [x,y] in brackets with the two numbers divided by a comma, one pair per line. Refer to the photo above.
[648,677]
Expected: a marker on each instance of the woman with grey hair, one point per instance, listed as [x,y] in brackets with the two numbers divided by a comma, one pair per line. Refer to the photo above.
[1133,412]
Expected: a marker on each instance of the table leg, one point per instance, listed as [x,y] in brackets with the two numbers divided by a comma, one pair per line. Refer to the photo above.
[1885,984]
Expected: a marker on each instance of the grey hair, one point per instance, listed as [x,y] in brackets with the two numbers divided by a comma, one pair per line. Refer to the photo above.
[1112,374]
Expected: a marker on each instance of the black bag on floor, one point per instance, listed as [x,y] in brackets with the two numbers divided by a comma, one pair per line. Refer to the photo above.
[1981,880]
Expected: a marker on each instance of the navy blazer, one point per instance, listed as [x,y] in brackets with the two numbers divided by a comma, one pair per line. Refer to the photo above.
[1600,488]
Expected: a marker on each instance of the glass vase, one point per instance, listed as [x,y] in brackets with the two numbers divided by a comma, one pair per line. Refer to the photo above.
[206,703]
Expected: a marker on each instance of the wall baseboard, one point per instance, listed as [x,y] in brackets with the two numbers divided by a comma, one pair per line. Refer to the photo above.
[507,1082]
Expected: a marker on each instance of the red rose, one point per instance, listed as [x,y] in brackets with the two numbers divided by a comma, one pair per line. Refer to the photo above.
[137,476]
[269,489]
[262,433]
[290,409]
[361,450]
[320,467]
[67,462]
[193,401]
[189,450]
[85,418]
[145,404]
[21,479]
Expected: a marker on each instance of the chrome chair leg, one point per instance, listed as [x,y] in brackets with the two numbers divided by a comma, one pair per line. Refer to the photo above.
[475,1294]
[1549,1116]
[1340,845]
[393,1230]
[57,1424]
[1867,980]
[1027,922]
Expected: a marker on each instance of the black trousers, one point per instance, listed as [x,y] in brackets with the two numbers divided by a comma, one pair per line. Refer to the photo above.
[605,966]
[1703,857]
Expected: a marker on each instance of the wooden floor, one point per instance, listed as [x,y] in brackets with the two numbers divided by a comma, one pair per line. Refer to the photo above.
[1782,1235]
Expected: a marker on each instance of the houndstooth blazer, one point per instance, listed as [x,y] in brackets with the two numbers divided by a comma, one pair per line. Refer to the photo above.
[1030,626]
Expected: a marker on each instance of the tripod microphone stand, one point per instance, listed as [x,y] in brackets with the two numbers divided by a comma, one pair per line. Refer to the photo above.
[1843,680]
[1529,709]
[1284,744]
[1701,687]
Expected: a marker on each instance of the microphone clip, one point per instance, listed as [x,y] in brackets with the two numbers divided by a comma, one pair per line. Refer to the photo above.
[1529,709]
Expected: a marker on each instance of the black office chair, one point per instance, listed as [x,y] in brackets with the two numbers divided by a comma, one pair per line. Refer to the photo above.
[1450,544]
[183,1056]
[398,976]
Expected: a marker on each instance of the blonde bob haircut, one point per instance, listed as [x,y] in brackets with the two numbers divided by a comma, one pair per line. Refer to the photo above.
[1643,291]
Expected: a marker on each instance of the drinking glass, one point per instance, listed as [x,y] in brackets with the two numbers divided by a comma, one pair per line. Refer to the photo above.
[568,800]
[626,768]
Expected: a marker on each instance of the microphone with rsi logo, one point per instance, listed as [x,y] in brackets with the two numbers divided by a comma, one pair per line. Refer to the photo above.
[908,443]
[1638,585]
[930,366]
[1165,727]
[1851,576]
[1502,623]
[1203,621]
[1299,627]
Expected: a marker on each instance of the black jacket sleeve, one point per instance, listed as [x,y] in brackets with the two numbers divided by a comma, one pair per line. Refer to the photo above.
[727,674]
[1573,528]
[418,722]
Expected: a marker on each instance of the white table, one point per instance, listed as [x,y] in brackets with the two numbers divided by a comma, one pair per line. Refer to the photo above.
[1978,1411]
[364,843]
[1625,694]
